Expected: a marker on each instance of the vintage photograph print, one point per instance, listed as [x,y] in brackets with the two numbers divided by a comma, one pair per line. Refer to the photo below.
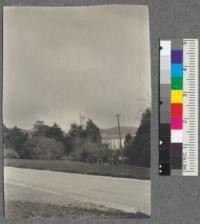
[77,112]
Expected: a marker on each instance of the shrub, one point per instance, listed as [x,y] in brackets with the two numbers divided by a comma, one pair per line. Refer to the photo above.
[10,154]
[86,150]
[43,148]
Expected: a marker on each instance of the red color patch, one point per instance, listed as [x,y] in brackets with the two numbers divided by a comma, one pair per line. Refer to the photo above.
[176,110]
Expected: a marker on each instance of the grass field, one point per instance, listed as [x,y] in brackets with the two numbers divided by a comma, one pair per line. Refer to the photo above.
[125,171]
[34,210]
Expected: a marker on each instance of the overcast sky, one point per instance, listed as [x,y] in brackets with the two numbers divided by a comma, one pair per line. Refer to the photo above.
[60,62]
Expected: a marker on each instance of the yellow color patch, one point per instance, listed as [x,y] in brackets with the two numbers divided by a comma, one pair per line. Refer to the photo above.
[176,96]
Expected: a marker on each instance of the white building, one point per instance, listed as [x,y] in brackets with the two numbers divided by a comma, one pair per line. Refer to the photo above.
[111,136]
[112,141]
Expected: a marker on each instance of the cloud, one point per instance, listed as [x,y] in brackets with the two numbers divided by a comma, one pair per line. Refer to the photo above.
[63,61]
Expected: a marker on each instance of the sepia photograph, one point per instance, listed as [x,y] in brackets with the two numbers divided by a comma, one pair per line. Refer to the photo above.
[77,112]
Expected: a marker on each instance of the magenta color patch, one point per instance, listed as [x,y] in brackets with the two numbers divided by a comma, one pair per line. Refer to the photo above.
[176,123]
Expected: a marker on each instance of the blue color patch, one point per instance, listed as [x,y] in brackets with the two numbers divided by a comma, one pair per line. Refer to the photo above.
[177,56]
[177,70]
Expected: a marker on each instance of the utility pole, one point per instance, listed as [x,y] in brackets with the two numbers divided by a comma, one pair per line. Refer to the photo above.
[120,138]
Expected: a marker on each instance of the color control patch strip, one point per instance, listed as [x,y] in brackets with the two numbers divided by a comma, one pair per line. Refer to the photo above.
[178,111]
[176,121]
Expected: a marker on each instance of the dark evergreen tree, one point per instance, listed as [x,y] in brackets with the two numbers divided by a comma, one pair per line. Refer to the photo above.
[128,140]
[75,131]
[40,128]
[55,132]
[92,132]
[15,139]
[139,151]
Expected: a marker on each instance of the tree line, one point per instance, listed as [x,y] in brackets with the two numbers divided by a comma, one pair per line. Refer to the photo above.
[138,149]
[78,144]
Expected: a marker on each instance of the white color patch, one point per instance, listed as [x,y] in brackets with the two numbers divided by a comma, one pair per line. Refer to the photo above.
[166,47]
[176,136]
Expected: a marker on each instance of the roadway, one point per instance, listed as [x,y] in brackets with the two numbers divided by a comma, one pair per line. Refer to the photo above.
[70,189]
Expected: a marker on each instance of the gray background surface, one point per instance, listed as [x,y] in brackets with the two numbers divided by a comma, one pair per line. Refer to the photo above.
[174,199]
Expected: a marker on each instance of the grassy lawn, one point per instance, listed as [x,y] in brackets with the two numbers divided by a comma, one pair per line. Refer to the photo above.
[125,171]
[30,210]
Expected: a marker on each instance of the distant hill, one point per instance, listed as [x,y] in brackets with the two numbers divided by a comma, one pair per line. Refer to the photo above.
[124,130]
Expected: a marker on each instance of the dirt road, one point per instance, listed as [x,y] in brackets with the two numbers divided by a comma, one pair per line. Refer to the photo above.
[58,188]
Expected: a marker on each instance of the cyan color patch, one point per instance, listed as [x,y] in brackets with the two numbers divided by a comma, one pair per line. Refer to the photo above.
[177,70]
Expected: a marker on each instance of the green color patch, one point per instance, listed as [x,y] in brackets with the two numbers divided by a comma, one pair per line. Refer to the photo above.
[177,83]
